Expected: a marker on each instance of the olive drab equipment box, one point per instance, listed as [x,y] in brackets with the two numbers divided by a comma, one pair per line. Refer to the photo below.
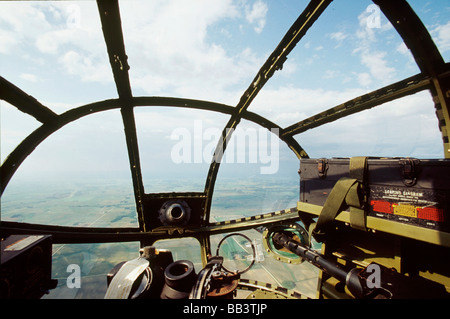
[404,190]
[390,211]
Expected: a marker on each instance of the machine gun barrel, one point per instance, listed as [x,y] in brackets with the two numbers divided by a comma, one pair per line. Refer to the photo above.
[353,279]
[389,284]
[318,260]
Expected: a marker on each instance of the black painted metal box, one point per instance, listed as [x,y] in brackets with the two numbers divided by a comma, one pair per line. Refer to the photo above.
[404,190]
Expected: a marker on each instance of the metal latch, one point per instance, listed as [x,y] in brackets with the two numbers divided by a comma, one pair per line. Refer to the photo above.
[322,167]
[409,171]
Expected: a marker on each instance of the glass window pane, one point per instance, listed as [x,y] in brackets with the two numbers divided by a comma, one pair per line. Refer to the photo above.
[301,278]
[94,261]
[183,249]
[78,176]
[55,52]
[258,174]
[349,51]
[200,50]
[14,127]
[175,146]
[405,127]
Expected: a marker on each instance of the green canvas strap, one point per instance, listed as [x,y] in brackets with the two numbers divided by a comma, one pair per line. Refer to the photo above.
[333,206]
[346,192]
[358,170]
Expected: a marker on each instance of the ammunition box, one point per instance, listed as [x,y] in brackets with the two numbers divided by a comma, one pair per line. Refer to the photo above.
[403,190]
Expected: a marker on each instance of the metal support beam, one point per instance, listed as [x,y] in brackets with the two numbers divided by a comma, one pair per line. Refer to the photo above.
[24,102]
[441,98]
[135,163]
[112,32]
[69,234]
[388,93]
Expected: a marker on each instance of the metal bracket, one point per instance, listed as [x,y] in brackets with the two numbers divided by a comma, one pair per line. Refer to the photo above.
[409,171]
[322,167]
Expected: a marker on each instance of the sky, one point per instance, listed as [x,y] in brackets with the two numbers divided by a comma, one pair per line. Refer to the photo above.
[211,50]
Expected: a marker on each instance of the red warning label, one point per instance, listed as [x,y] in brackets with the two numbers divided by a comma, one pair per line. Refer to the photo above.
[381,206]
[420,207]
[431,213]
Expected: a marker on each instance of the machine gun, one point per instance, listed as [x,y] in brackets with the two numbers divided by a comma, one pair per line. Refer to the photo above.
[372,282]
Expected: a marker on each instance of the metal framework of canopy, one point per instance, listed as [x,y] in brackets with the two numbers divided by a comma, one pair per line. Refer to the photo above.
[434,76]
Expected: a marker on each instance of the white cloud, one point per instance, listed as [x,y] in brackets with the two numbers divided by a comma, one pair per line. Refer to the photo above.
[377,65]
[86,66]
[68,33]
[339,37]
[168,43]
[280,105]
[51,25]
[441,33]
[50,42]
[29,77]
[364,79]
[173,53]
[257,15]
[382,131]
[368,48]
[329,74]
[8,42]
[19,16]
[20,23]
